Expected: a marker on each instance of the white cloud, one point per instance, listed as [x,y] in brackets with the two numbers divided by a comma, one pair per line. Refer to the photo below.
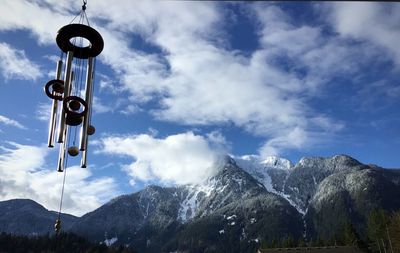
[35,17]
[106,84]
[130,109]
[195,79]
[15,64]
[192,78]
[23,174]
[218,142]
[43,111]
[177,159]
[99,107]
[11,122]
[294,139]
[376,23]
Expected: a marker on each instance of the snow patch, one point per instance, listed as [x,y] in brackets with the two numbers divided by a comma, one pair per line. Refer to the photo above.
[259,170]
[190,204]
[111,241]
[256,240]
[231,217]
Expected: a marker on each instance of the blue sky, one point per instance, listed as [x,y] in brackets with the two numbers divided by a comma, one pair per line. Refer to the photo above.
[180,83]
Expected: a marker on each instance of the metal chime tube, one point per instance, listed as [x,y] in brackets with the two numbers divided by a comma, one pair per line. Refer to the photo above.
[67,91]
[53,117]
[61,155]
[88,99]
[84,159]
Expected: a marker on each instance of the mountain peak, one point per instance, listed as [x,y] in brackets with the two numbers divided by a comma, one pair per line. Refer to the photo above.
[274,162]
[334,162]
[25,204]
[277,162]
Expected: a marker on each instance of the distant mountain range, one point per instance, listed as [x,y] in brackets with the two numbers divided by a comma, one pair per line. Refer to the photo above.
[247,202]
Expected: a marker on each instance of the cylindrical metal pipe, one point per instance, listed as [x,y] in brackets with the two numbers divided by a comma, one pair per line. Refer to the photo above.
[59,68]
[54,106]
[67,91]
[61,157]
[62,153]
[88,99]
[84,159]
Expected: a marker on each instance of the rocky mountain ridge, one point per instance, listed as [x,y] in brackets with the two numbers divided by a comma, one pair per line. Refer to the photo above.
[247,202]
[26,217]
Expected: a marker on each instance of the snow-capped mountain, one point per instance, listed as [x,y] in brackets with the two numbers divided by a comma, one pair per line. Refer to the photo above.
[248,201]
[230,203]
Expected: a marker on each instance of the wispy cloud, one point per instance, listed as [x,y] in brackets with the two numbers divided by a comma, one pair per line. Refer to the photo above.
[10,122]
[43,111]
[375,23]
[177,159]
[23,174]
[34,17]
[15,64]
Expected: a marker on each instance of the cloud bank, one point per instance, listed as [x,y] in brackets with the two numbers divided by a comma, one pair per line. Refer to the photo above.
[177,159]
[374,23]
[23,174]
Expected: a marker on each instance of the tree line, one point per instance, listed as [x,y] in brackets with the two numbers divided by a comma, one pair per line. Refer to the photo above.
[64,242]
[382,235]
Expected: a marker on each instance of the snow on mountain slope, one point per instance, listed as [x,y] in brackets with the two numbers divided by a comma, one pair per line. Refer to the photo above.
[271,172]
[260,169]
[229,184]
[194,195]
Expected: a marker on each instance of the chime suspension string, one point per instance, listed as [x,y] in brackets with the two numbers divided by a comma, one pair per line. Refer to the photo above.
[63,182]
[82,14]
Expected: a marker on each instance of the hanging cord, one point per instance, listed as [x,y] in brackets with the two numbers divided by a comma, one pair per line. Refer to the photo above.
[57,226]
[62,190]
[84,11]
[82,14]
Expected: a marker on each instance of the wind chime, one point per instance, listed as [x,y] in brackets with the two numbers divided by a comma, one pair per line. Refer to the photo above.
[72,93]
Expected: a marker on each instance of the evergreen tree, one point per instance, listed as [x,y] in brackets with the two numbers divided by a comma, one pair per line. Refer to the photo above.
[377,224]
[302,243]
[61,243]
[274,244]
[288,242]
[318,242]
[350,236]
[394,231]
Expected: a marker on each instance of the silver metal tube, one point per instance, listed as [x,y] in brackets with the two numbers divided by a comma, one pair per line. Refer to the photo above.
[54,107]
[62,153]
[67,91]
[84,159]
[88,99]
[59,68]
[52,125]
